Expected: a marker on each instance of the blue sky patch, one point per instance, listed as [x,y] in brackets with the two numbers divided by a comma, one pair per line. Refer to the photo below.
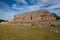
[9,8]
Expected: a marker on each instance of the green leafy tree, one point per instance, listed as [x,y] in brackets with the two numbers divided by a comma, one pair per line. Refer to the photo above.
[55,15]
[1,20]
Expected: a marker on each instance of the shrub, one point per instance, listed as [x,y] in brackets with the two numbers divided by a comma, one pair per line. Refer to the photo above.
[33,24]
[52,25]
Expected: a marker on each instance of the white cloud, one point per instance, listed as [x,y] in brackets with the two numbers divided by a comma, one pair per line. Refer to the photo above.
[30,8]
[45,0]
[16,8]
[21,1]
[32,1]
[57,12]
[34,7]
[5,6]
[54,6]
[38,2]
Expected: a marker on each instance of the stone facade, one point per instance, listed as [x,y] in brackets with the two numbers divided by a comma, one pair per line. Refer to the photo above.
[35,16]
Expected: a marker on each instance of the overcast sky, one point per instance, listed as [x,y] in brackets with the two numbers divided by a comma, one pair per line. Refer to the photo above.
[9,8]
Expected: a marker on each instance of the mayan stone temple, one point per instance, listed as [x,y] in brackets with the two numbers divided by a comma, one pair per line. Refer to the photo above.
[34,16]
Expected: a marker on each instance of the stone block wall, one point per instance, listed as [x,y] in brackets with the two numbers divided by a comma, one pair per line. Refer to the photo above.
[40,15]
[38,23]
[48,23]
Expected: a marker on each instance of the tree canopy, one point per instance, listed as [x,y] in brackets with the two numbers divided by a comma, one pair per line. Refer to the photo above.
[55,15]
[1,20]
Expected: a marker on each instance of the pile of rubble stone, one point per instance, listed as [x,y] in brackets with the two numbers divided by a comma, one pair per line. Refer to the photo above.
[55,28]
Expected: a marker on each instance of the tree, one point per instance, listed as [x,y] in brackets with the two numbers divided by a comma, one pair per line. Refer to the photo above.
[55,15]
[58,18]
[1,20]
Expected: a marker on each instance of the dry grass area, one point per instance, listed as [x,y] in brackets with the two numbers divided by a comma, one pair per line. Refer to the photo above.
[8,32]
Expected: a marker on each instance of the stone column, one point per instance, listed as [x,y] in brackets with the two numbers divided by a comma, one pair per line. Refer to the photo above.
[47,17]
[42,18]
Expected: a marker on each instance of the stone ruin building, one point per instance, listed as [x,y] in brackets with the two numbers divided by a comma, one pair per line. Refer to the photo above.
[43,17]
[35,16]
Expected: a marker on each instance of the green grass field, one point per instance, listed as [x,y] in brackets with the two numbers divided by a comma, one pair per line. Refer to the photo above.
[8,32]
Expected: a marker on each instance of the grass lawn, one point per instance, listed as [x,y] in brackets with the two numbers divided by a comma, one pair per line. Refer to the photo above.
[8,32]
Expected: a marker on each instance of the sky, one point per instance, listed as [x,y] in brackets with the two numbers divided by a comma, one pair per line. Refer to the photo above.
[9,8]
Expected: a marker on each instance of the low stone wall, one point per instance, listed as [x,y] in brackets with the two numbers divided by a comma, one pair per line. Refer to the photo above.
[47,23]
[21,23]
[40,23]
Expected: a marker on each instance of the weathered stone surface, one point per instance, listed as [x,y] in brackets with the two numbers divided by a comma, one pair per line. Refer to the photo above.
[40,15]
[42,18]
